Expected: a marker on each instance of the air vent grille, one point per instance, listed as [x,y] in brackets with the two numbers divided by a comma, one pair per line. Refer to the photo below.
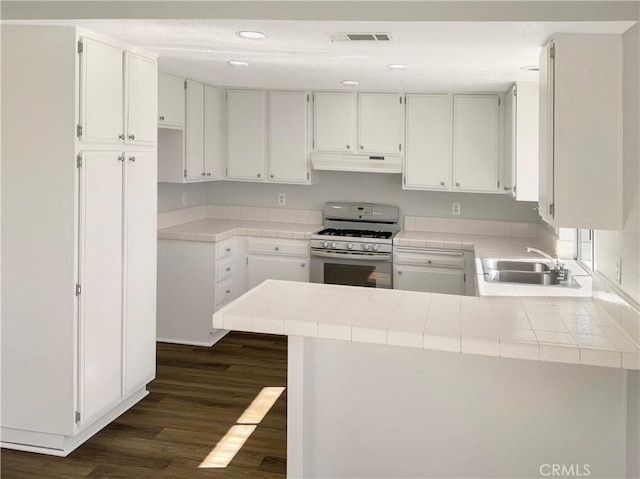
[361,37]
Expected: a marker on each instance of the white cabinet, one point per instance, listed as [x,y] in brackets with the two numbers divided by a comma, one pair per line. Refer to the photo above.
[214,132]
[246,134]
[171,101]
[429,280]
[428,145]
[380,123]
[476,142]
[334,119]
[86,347]
[288,139]
[521,141]
[194,132]
[276,259]
[118,95]
[580,144]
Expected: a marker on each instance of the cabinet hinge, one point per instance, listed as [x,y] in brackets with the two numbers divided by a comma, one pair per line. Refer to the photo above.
[79,161]
[400,100]
[515,90]
[79,46]
[399,146]
[313,144]
[185,84]
[499,102]
[226,171]
[552,50]
[464,277]
[552,210]
[498,184]
[77,417]
[185,173]
[246,261]
[78,131]
[307,97]
[404,179]
[78,289]
[307,175]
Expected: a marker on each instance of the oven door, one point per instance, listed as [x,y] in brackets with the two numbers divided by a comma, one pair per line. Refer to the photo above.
[351,269]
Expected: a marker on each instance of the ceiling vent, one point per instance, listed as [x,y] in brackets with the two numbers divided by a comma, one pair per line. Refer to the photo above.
[361,37]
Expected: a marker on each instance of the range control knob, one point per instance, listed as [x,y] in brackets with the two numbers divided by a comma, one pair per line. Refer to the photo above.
[326,244]
[350,246]
[334,245]
[376,247]
[367,247]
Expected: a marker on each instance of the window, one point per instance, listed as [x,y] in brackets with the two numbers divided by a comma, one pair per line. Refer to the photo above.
[585,250]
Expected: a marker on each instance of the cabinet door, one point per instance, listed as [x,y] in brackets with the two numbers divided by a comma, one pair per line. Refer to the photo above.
[194,131]
[379,122]
[334,117]
[526,142]
[428,147]
[171,97]
[101,256]
[214,151]
[475,142]
[510,140]
[140,223]
[261,268]
[288,157]
[246,134]
[101,98]
[429,280]
[141,99]
[545,138]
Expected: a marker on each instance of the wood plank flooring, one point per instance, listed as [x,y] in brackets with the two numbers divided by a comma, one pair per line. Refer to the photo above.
[198,394]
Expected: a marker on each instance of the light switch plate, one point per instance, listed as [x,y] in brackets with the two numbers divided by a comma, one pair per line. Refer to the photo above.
[455,208]
[282,199]
[184,199]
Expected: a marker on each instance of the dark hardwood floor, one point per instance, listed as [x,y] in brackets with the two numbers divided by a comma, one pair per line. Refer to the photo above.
[198,394]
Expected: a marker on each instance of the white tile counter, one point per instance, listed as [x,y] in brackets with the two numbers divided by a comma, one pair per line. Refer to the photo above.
[565,330]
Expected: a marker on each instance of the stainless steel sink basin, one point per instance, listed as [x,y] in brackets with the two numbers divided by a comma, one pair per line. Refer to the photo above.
[526,277]
[501,264]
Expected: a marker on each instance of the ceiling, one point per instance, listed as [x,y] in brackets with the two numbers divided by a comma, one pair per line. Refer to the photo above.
[442,56]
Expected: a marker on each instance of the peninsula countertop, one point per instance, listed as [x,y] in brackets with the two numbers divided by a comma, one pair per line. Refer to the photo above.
[550,329]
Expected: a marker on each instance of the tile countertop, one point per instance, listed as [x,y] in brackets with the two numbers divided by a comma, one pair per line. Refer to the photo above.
[550,329]
[504,247]
[220,229]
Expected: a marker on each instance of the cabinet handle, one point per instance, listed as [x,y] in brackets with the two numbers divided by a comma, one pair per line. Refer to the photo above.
[161,117]
[457,184]
[203,174]
[132,137]
[228,268]
[132,158]
[277,249]
[271,176]
[228,291]
[399,272]
[121,158]
[348,147]
[228,250]
[121,136]
[208,174]
[429,261]
[302,265]
[259,175]
[442,183]
[361,147]
[506,188]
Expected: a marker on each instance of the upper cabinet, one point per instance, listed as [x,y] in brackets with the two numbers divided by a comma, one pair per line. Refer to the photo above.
[246,134]
[118,97]
[334,117]
[214,132]
[580,144]
[521,141]
[194,131]
[171,101]
[379,123]
[428,148]
[476,142]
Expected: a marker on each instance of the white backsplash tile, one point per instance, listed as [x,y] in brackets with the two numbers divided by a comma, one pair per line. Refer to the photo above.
[247,213]
[288,216]
[302,217]
[471,227]
[275,215]
[261,214]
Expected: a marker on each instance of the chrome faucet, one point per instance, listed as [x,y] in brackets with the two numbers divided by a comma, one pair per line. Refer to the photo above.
[559,269]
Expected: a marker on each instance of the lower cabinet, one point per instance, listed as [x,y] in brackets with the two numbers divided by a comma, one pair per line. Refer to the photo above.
[433,271]
[276,259]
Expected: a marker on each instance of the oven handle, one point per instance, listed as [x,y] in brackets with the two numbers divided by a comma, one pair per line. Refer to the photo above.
[352,256]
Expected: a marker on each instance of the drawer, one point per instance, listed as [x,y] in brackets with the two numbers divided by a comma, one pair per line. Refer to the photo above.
[436,258]
[225,249]
[224,292]
[225,269]
[278,247]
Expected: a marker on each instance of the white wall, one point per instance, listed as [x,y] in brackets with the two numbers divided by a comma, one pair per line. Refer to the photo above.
[373,188]
[626,244]
[170,195]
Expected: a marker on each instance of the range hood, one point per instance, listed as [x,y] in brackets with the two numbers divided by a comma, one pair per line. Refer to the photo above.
[361,163]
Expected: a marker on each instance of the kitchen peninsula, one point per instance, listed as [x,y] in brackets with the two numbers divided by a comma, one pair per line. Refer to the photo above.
[443,384]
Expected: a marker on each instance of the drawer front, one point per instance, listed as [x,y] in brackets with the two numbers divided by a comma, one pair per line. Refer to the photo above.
[224,292]
[436,258]
[278,247]
[225,270]
[225,250]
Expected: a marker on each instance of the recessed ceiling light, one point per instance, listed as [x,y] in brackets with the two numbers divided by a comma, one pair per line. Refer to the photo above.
[349,82]
[251,35]
[531,68]
[237,63]
[397,66]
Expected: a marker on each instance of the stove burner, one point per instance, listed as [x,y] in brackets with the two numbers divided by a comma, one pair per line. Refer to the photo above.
[356,233]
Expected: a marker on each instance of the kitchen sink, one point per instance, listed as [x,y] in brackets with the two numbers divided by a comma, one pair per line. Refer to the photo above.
[527,277]
[501,264]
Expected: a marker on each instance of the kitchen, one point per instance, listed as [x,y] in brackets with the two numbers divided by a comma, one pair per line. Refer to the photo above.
[306,201]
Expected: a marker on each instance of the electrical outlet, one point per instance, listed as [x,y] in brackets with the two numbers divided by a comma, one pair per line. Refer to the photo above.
[455,208]
[619,269]
[184,199]
[282,199]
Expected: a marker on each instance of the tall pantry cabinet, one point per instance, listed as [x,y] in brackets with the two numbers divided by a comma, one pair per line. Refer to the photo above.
[79,206]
